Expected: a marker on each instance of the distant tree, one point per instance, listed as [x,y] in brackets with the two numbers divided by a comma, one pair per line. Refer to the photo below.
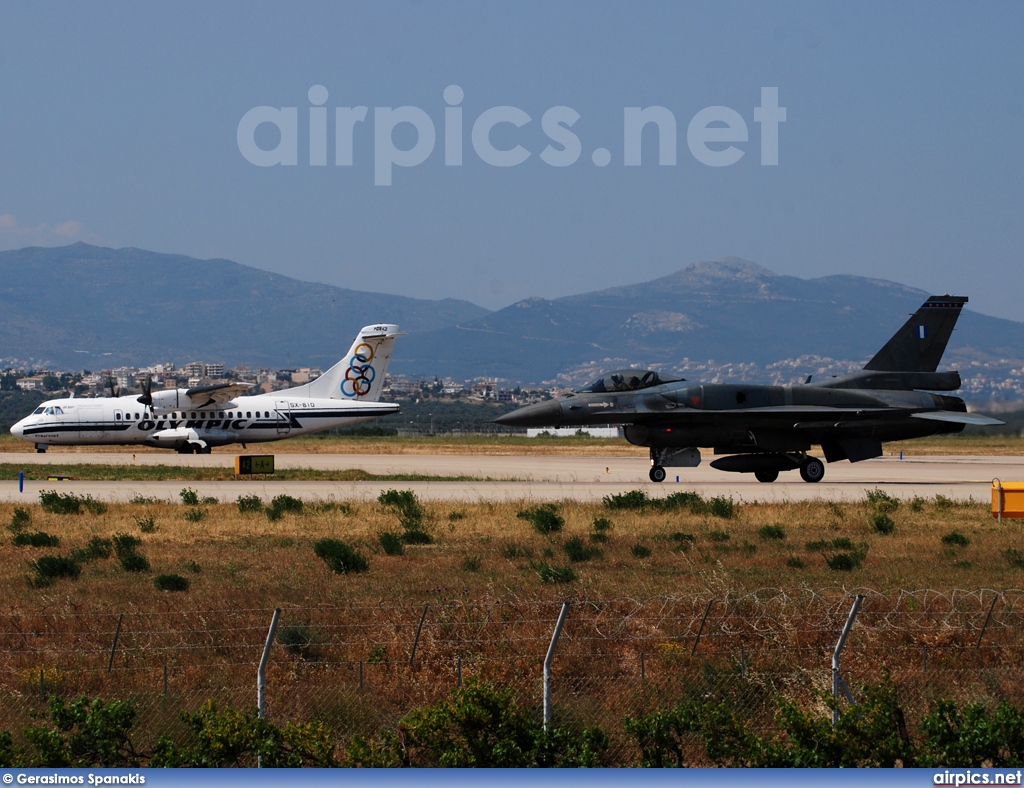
[51,383]
[8,382]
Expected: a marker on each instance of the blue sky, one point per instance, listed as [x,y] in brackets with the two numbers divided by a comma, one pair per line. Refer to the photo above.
[900,156]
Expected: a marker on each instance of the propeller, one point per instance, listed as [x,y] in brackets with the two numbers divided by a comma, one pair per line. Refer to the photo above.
[147,392]
[112,384]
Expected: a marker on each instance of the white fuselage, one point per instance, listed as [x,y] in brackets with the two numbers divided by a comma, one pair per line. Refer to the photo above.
[255,419]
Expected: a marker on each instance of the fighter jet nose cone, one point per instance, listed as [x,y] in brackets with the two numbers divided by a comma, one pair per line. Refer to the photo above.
[543,414]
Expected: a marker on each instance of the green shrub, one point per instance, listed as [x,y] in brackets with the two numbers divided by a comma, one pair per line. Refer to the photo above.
[602,525]
[479,726]
[297,640]
[189,497]
[795,562]
[195,515]
[682,500]
[35,539]
[340,557]
[97,548]
[456,516]
[392,544]
[578,551]
[956,539]
[640,551]
[634,500]
[249,503]
[723,507]
[193,567]
[378,656]
[132,561]
[545,518]
[881,523]
[404,502]
[942,502]
[471,563]
[917,503]
[170,583]
[286,504]
[416,536]
[49,568]
[20,519]
[1014,557]
[554,574]
[125,543]
[719,536]
[881,501]
[69,503]
[842,562]
[772,532]
[146,524]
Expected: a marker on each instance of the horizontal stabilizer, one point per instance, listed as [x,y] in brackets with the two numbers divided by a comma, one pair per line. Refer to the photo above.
[975,419]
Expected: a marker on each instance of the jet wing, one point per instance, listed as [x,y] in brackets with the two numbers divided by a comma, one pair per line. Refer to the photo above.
[216,394]
[956,417]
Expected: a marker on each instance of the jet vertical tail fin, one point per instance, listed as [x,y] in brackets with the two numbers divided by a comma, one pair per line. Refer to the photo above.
[918,346]
[360,374]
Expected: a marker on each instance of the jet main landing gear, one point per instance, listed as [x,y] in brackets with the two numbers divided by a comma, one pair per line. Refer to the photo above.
[812,470]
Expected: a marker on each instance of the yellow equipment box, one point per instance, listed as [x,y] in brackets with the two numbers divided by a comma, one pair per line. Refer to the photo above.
[1007,499]
[248,464]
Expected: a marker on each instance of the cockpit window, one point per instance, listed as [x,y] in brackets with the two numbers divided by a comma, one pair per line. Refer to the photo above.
[625,380]
[37,411]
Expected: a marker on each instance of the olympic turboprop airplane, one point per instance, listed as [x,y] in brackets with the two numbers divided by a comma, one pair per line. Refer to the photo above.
[769,429]
[195,420]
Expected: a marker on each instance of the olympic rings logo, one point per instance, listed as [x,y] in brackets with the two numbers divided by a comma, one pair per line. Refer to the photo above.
[359,375]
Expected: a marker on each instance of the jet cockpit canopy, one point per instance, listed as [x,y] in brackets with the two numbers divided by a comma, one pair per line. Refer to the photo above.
[625,380]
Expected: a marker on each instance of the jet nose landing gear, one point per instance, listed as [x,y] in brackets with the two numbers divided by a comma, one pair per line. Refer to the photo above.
[657,474]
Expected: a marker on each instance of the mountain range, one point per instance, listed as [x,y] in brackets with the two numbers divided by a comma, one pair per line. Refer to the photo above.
[83,306]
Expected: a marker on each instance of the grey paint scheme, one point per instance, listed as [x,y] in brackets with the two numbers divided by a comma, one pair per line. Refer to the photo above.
[769,429]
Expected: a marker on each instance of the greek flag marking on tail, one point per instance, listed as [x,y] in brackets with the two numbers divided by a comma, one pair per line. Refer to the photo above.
[922,332]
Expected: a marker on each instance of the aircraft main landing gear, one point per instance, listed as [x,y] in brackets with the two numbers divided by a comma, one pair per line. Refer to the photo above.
[657,474]
[812,470]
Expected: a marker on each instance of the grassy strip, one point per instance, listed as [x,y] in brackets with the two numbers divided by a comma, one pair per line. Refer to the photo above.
[149,473]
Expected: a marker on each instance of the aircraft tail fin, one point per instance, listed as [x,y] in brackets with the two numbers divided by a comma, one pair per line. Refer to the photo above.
[360,374]
[918,346]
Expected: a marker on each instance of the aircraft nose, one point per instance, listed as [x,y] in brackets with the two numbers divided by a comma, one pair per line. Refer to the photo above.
[18,430]
[541,414]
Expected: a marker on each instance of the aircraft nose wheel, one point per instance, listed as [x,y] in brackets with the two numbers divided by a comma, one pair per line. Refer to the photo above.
[812,470]
[767,477]
[657,474]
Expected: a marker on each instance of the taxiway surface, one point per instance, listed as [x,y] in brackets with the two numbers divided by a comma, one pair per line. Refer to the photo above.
[526,477]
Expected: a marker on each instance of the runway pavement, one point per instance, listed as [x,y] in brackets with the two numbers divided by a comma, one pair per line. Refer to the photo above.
[529,477]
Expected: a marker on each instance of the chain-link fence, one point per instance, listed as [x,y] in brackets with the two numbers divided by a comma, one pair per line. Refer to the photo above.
[359,669]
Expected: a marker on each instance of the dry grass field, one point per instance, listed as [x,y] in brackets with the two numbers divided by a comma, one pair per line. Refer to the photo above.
[489,585]
[236,559]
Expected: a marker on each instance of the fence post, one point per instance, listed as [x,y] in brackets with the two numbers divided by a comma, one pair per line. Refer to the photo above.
[458,671]
[419,629]
[700,631]
[837,680]
[987,619]
[261,671]
[643,671]
[113,646]
[165,679]
[547,663]
[42,684]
